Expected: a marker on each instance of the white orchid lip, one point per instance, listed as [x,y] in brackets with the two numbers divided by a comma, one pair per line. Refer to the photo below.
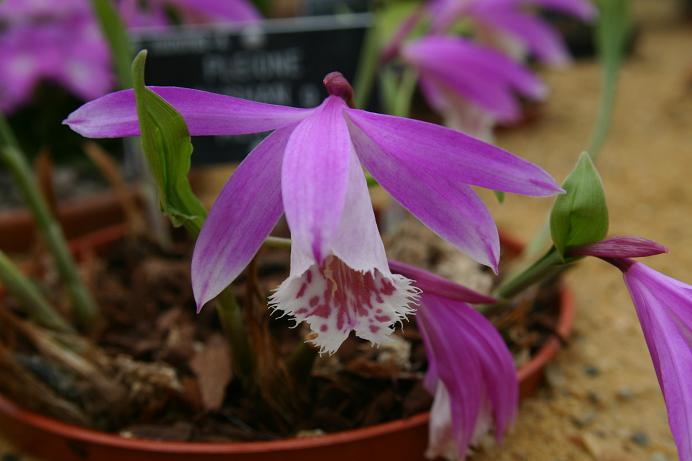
[333,299]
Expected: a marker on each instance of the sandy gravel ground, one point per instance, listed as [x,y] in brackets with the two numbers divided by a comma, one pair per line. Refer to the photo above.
[602,402]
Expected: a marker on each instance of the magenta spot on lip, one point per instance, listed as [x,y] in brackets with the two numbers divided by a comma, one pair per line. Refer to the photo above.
[387,287]
[374,328]
[321,311]
[314,301]
[301,292]
[324,328]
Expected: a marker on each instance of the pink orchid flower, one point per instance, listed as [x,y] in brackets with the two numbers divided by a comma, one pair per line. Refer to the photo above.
[153,14]
[310,168]
[664,308]
[66,48]
[471,372]
[504,23]
[471,85]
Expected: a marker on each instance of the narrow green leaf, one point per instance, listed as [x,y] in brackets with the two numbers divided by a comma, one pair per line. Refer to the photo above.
[168,149]
[115,33]
[613,29]
[499,195]
[580,216]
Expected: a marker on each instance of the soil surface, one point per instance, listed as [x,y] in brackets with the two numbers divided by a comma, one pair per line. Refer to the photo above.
[602,401]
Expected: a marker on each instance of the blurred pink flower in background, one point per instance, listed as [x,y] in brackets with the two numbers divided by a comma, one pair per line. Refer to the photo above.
[513,25]
[153,13]
[42,42]
[471,85]
[60,41]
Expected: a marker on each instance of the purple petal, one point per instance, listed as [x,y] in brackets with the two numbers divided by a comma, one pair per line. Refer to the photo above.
[220,10]
[135,16]
[353,290]
[441,201]
[490,85]
[450,154]
[470,359]
[582,9]
[315,176]
[539,37]
[434,284]
[243,215]
[664,307]
[484,89]
[458,114]
[620,247]
[115,115]
[358,242]
[23,10]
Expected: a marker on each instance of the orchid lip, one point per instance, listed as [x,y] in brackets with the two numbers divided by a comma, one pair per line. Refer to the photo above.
[335,299]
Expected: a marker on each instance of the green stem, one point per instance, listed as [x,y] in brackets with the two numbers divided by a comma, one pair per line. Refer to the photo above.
[301,362]
[231,318]
[367,67]
[115,34]
[85,309]
[277,242]
[612,31]
[539,270]
[407,86]
[33,302]
[539,241]
[605,109]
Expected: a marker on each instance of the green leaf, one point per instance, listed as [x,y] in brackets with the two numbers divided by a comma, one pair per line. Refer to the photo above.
[115,33]
[168,149]
[499,195]
[580,216]
[613,30]
[389,19]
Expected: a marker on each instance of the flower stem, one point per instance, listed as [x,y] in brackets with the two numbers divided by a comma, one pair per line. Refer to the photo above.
[367,66]
[114,32]
[301,362]
[407,86]
[231,318]
[33,302]
[612,31]
[277,242]
[550,263]
[85,308]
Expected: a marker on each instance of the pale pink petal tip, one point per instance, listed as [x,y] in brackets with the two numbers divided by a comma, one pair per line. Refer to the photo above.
[334,300]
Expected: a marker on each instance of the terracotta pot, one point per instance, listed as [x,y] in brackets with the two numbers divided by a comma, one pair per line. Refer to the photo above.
[77,218]
[403,440]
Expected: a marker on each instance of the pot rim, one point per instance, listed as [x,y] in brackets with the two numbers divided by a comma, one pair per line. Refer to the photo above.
[77,433]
